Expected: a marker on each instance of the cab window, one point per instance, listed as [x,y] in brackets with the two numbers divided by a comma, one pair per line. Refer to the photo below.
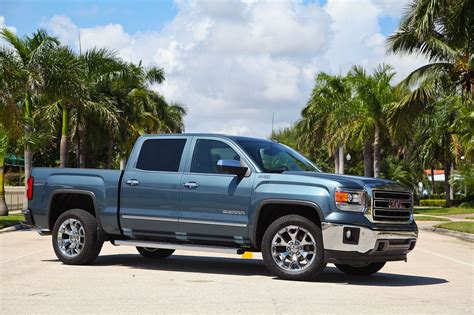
[208,152]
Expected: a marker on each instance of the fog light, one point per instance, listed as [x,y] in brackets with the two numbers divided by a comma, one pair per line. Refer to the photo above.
[350,235]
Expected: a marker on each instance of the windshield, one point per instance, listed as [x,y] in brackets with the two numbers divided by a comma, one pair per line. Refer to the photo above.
[273,157]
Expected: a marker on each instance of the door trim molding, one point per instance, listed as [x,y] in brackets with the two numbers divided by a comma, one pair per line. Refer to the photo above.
[142,217]
[212,223]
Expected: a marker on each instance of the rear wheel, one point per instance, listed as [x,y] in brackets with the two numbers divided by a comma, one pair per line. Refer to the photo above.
[75,237]
[156,253]
[292,248]
[364,270]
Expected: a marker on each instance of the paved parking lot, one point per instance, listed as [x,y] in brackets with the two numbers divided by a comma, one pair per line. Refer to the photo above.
[438,278]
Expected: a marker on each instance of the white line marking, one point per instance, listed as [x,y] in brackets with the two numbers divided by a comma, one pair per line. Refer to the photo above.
[446,257]
[1,262]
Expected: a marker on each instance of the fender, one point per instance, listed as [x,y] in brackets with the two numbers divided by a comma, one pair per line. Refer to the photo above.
[253,226]
[73,191]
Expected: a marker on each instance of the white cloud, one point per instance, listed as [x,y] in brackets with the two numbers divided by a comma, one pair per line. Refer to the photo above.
[4,25]
[235,63]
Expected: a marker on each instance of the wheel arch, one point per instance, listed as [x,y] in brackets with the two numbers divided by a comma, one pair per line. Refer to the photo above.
[264,215]
[62,200]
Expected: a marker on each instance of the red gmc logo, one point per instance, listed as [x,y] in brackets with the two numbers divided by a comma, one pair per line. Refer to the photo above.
[395,204]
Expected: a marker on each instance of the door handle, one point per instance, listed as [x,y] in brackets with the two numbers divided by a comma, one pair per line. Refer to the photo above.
[191,185]
[132,182]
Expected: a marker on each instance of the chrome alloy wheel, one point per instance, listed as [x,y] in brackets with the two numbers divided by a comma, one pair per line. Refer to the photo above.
[71,237]
[293,248]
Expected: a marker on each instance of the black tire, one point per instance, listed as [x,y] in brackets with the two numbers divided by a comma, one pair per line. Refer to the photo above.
[366,270]
[91,242]
[155,253]
[313,269]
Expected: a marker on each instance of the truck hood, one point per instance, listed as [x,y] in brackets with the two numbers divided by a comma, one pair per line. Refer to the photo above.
[350,181]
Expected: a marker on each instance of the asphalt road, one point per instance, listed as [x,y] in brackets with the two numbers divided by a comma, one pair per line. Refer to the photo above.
[438,278]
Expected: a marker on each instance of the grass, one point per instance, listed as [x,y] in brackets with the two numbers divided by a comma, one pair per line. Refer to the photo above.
[444,211]
[428,218]
[9,220]
[466,227]
[471,217]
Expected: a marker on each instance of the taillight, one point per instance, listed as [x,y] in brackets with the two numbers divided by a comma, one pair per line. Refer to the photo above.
[29,187]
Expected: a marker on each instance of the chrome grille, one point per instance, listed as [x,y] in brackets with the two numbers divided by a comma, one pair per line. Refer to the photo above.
[391,206]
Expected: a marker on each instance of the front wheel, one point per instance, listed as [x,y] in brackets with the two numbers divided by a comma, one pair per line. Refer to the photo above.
[292,248]
[156,253]
[365,270]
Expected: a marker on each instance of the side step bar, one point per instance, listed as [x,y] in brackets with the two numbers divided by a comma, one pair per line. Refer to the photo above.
[197,248]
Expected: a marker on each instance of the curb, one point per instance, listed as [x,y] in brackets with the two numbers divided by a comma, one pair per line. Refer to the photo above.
[461,235]
[15,227]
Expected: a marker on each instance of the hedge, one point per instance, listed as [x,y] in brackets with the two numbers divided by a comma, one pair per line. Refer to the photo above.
[433,196]
[433,202]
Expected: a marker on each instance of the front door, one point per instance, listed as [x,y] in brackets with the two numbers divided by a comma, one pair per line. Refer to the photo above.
[150,189]
[214,206]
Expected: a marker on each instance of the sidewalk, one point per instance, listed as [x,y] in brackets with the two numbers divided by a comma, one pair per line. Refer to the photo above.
[429,226]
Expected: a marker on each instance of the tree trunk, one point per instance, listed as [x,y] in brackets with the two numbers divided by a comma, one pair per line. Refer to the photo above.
[336,163]
[377,153]
[433,189]
[28,153]
[110,147]
[341,159]
[447,186]
[451,195]
[3,204]
[77,149]
[123,163]
[367,151]
[63,148]
[82,144]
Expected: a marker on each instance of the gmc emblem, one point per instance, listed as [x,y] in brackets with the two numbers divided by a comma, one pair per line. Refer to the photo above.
[395,204]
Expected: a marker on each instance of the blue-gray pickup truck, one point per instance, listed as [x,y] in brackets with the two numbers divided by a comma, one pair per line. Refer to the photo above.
[231,194]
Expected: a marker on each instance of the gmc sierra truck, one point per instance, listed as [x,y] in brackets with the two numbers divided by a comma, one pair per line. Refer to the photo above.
[230,194]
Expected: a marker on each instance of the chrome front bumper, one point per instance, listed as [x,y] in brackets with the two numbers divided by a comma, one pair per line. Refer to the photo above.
[369,242]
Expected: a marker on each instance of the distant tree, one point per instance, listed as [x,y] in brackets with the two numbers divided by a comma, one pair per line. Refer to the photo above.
[23,59]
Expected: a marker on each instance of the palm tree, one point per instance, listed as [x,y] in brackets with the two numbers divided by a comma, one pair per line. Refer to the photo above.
[3,151]
[63,91]
[26,55]
[75,99]
[102,68]
[324,116]
[141,109]
[374,93]
[443,32]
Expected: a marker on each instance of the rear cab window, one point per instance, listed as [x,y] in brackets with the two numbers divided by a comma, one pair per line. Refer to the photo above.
[163,155]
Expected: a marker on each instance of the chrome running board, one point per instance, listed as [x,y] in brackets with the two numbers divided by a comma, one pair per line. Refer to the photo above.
[197,248]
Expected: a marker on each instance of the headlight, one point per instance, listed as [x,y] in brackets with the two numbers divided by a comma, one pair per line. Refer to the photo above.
[349,200]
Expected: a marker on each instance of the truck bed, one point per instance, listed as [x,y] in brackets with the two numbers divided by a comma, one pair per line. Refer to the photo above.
[102,183]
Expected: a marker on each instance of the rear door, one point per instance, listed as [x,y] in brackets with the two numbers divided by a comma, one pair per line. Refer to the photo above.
[151,186]
[214,205]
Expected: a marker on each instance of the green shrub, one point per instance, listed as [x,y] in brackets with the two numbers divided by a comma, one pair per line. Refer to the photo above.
[433,196]
[433,202]
[469,204]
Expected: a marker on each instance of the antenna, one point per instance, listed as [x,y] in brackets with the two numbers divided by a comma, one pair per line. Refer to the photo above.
[80,47]
[273,120]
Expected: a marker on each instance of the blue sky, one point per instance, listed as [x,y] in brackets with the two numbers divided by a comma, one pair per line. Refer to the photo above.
[232,63]
[135,16]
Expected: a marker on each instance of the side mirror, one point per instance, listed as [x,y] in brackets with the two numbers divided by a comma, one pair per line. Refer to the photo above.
[231,167]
